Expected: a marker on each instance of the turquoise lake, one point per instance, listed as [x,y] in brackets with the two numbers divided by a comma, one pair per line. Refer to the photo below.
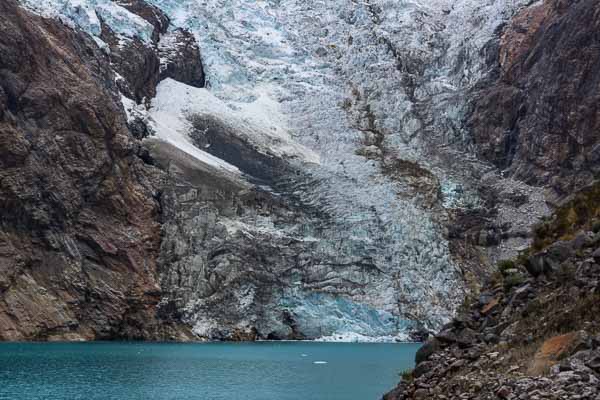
[211,371]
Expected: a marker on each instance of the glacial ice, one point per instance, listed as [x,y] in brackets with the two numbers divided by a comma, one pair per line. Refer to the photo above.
[86,15]
[303,78]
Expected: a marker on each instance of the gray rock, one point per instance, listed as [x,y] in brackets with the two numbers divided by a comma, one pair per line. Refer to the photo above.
[430,347]
[423,368]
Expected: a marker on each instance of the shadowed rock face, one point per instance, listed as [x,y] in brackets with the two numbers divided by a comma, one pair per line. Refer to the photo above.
[180,58]
[540,117]
[142,65]
[79,230]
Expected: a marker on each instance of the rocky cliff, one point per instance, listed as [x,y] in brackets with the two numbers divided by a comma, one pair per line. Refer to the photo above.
[80,205]
[537,115]
[79,231]
[243,170]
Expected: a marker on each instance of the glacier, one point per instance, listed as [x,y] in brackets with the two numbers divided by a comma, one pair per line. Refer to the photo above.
[361,103]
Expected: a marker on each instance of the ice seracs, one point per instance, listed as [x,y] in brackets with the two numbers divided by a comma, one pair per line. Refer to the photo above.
[346,248]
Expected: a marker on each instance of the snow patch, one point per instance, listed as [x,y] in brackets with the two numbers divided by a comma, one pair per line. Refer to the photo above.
[176,103]
[169,118]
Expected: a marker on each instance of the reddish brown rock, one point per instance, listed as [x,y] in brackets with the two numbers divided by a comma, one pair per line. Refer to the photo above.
[540,117]
[79,231]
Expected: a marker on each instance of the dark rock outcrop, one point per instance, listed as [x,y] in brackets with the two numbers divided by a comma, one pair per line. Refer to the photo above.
[180,58]
[141,66]
[79,231]
[539,117]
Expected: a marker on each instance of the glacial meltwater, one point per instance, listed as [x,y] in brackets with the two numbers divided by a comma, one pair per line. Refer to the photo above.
[211,371]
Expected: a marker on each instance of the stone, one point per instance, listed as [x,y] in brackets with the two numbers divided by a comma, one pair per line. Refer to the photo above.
[489,307]
[504,392]
[422,368]
[596,255]
[428,348]
[594,362]
[582,240]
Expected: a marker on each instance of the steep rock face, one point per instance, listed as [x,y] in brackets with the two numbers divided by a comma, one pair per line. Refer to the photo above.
[540,118]
[79,231]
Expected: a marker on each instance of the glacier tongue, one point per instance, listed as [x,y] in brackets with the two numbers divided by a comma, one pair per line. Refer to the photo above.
[359,98]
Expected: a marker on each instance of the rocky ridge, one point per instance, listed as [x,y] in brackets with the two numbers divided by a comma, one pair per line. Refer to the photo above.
[533,332]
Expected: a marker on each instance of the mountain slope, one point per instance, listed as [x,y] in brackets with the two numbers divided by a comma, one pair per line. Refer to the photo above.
[534,330]
[300,170]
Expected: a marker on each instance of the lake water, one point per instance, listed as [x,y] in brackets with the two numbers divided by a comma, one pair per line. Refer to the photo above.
[211,371]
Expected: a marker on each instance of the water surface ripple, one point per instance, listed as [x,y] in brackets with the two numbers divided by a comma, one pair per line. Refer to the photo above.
[215,371]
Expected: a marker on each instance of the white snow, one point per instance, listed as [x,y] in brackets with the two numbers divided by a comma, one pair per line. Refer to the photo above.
[175,103]
[169,113]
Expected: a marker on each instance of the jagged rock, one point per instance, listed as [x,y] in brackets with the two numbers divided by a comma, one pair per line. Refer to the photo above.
[180,58]
[548,261]
[582,240]
[504,392]
[423,368]
[596,255]
[594,362]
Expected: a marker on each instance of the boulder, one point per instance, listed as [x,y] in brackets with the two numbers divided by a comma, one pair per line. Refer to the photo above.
[428,348]
[594,362]
[423,368]
[548,260]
